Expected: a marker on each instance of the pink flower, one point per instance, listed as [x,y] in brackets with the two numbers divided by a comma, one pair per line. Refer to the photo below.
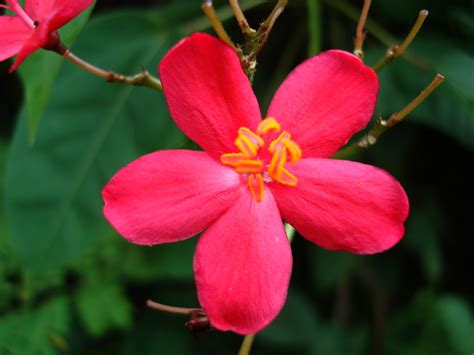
[35,26]
[253,173]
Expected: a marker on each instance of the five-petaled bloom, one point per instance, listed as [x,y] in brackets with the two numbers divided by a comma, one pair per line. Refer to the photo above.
[253,173]
[35,26]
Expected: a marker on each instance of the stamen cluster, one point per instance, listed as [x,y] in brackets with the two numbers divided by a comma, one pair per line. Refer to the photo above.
[255,165]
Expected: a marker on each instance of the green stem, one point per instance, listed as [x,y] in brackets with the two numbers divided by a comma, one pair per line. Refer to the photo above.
[396,51]
[360,34]
[247,344]
[208,9]
[381,125]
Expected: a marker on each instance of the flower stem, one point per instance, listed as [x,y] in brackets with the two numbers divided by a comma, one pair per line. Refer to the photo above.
[170,309]
[360,33]
[241,19]
[396,51]
[247,344]
[208,9]
[381,125]
[141,79]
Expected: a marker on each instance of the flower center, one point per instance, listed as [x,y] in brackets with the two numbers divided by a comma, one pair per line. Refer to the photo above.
[15,7]
[256,164]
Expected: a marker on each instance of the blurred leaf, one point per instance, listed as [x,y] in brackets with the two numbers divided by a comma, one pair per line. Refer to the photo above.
[331,268]
[332,339]
[83,140]
[295,325]
[38,332]
[102,307]
[40,70]
[431,326]
[169,261]
[458,322]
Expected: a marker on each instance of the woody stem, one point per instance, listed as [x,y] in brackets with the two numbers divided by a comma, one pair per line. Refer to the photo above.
[396,51]
[208,9]
[143,78]
[381,125]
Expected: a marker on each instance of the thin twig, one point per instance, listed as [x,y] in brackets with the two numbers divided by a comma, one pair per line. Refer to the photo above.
[241,19]
[381,125]
[247,344]
[208,9]
[255,43]
[360,33]
[141,79]
[396,51]
[171,309]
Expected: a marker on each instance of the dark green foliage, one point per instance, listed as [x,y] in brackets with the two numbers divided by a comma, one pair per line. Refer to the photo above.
[70,285]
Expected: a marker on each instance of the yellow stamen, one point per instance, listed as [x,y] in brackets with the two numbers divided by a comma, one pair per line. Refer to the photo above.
[293,149]
[278,160]
[232,159]
[268,124]
[248,162]
[249,166]
[278,143]
[255,182]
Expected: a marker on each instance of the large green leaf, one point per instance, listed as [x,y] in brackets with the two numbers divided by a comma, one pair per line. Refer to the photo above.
[89,131]
[40,70]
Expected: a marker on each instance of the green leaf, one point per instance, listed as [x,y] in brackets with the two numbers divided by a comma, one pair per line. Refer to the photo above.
[42,331]
[458,323]
[102,307]
[39,73]
[331,268]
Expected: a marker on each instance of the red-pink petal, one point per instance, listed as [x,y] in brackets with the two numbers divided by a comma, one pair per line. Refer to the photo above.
[39,10]
[64,11]
[243,265]
[169,196]
[325,100]
[343,205]
[13,34]
[38,39]
[208,94]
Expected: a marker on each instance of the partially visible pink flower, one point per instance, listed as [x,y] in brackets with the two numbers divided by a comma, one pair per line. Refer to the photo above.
[35,26]
[253,173]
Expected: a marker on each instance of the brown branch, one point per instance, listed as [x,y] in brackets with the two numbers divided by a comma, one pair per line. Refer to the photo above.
[208,9]
[360,33]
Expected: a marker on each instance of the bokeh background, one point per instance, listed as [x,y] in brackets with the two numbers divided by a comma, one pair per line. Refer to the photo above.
[70,285]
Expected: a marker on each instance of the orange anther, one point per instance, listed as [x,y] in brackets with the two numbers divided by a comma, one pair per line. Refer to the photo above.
[285,177]
[293,149]
[249,166]
[268,124]
[255,139]
[257,187]
[278,160]
[232,159]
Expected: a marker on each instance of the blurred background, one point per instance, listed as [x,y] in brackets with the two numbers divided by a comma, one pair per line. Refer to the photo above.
[70,285]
